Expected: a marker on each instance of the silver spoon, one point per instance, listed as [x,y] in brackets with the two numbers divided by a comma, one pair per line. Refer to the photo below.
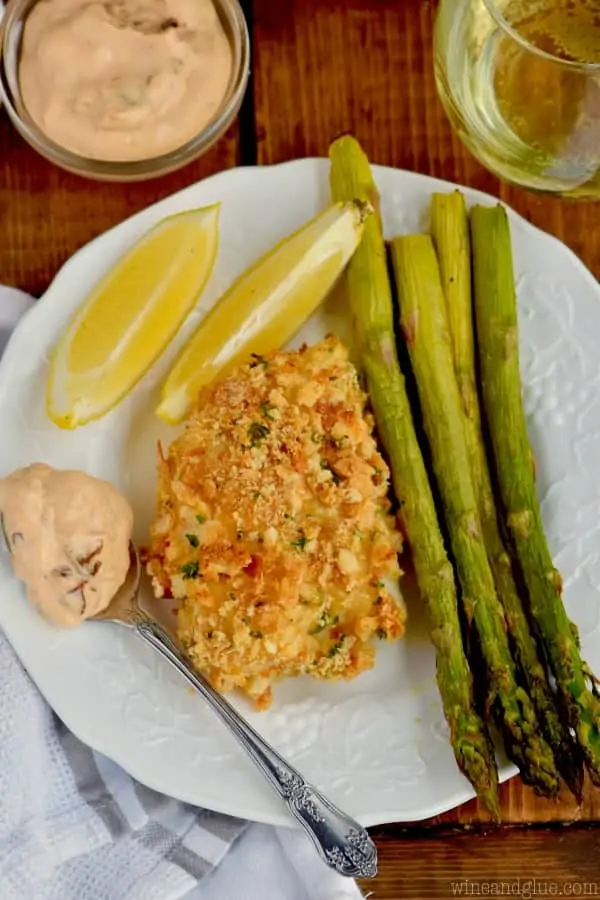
[341,842]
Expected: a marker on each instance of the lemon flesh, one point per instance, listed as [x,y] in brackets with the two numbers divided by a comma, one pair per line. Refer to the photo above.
[266,306]
[130,317]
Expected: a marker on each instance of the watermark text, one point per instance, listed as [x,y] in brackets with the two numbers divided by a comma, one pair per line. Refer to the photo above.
[525,888]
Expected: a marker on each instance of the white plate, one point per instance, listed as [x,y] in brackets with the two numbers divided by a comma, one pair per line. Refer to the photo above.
[378,745]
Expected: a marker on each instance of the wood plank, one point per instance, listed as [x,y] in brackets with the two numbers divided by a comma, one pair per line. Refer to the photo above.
[520,805]
[366,66]
[507,862]
[47,214]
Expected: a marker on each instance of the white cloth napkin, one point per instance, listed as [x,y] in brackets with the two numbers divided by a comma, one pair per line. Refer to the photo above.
[74,826]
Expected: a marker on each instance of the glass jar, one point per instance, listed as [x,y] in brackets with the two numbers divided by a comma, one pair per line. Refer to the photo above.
[11,35]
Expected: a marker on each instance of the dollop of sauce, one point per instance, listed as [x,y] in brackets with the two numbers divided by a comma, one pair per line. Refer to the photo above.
[69,535]
[123,80]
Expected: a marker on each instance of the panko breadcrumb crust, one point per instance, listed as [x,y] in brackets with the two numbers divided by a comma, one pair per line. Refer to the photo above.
[273,526]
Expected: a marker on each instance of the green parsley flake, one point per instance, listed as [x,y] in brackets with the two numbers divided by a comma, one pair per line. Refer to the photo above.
[190,569]
[193,540]
[300,544]
[334,475]
[267,411]
[257,432]
[335,648]
[325,621]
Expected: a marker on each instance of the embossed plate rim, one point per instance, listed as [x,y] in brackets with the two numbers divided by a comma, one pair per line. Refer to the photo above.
[29,635]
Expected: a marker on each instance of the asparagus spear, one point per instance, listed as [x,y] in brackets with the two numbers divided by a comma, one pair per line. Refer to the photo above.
[425,329]
[497,336]
[450,232]
[370,301]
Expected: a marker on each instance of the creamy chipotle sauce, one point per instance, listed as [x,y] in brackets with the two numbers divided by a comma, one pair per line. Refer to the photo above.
[68,535]
[123,80]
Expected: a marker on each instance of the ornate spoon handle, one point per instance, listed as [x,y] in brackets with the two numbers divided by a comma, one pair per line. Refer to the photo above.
[342,843]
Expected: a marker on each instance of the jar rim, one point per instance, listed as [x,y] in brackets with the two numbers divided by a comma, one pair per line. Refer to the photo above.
[506,26]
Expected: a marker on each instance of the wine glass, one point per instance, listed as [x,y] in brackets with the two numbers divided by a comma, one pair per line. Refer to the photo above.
[520,82]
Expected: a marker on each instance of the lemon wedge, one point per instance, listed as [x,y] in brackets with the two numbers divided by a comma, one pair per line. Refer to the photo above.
[267,305]
[130,317]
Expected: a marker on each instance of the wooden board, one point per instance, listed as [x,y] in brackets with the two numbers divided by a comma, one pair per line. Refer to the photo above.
[47,214]
[506,862]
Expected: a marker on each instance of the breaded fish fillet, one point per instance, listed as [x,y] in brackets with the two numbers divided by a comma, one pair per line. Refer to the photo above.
[273,526]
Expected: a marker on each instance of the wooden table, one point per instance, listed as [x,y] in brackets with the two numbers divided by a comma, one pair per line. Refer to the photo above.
[320,68]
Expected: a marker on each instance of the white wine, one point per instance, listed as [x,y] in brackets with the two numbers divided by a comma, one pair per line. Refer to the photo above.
[520,81]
